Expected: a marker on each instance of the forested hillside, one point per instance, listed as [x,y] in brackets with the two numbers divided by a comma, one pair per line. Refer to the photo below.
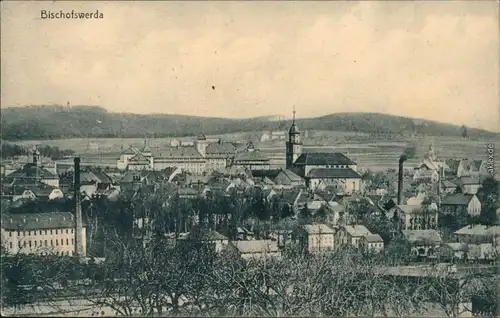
[56,122]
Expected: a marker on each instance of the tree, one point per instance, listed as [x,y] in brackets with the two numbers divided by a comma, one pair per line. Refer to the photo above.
[489,195]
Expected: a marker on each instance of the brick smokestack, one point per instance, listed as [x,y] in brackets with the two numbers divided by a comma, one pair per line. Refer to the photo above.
[402,159]
[78,211]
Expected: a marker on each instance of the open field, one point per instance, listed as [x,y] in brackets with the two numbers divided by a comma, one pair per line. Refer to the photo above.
[369,154]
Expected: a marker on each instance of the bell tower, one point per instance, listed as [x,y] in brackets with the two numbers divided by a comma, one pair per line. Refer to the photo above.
[293,145]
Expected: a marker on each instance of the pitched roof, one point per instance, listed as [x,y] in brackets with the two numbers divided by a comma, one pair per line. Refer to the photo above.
[54,220]
[209,236]
[333,173]
[255,155]
[457,199]
[373,238]
[417,236]
[138,159]
[318,229]
[480,230]
[292,176]
[357,230]
[225,148]
[448,184]
[323,158]
[178,152]
[270,173]
[33,171]
[289,195]
[256,246]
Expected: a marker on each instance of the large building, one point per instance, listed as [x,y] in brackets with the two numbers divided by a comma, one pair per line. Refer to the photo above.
[44,233]
[204,155]
[321,169]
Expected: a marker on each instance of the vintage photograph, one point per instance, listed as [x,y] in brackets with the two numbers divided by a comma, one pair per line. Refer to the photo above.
[250,158]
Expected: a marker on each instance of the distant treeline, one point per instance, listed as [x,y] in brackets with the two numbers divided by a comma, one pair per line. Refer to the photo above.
[37,123]
[10,150]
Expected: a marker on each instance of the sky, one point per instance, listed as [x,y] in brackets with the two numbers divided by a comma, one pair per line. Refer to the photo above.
[435,60]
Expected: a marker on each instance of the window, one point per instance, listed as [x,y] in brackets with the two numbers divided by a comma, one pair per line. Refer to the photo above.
[50,232]
[40,243]
[66,231]
[40,232]
[36,243]
[46,243]
[29,233]
[71,231]
[57,242]
[57,232]
[51,243]
[10,234]
[18,233]
[72,241]
[24,244]
[67,241]
[19,244]
[62,242]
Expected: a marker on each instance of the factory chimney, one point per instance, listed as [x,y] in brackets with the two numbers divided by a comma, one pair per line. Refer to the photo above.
[402,159]
[79,252]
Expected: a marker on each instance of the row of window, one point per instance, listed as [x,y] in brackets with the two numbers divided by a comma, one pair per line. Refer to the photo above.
[35,243]
[45,232]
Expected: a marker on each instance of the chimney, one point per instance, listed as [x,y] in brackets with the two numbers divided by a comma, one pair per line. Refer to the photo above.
[402,159]
[78,211]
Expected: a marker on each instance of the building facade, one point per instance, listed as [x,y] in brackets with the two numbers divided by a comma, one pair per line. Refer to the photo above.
[43,234]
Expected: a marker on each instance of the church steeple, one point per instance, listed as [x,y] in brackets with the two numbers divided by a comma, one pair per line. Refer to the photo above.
[293,145]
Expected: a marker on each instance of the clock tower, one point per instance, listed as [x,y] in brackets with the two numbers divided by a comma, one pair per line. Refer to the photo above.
[293,145]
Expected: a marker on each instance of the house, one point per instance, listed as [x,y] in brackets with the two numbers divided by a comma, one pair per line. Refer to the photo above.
[472,168]
[429,169]
[344,180]
[372,243]
[423,242]
[44,233]
[122,160]
[461,206]
[288,178]
[478,234]
[469,185]
[448,187]
[214,239]
[40,191]
[186,158]
[219,155]
[256,249]
[317,238]
[414,217]
[139,162]
[350,235]
[251,159]
[32,173]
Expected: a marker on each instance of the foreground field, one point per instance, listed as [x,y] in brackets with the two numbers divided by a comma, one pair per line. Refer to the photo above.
[369,153]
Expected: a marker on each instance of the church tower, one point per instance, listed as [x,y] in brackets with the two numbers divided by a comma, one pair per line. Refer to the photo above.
[293,145]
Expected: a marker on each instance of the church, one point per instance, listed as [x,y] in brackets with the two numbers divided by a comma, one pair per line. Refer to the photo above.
[321,170]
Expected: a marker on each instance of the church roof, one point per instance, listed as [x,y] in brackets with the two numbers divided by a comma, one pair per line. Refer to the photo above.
[216,148]
[32,171]
[294,129]
[323,158]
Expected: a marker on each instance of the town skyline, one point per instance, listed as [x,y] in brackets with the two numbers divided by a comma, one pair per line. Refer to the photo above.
[417,60]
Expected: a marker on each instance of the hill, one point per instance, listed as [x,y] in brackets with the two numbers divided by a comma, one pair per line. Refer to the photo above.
[56,122]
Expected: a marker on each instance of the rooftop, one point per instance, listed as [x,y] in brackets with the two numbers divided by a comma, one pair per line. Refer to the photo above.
[256,246]
[318,229]
[22,222]
[457,199]
[323,158]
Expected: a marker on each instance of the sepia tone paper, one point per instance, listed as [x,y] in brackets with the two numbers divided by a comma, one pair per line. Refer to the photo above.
[340,157]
